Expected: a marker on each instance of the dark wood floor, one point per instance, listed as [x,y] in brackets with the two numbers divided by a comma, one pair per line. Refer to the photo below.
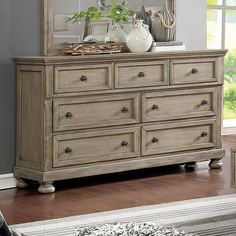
[116,191]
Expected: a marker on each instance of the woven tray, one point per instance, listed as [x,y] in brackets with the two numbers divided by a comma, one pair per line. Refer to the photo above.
[94,48]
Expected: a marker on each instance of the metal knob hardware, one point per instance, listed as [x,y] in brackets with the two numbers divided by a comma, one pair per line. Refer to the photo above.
[83,78]
[194,71]
[69,115]
[68,150]
[124,144]
[141,74]
[204,102]
[125,109]
[155,107]
[155,140]
[204,134]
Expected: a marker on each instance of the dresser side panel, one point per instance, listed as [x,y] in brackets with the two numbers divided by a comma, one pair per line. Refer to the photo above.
[30,116]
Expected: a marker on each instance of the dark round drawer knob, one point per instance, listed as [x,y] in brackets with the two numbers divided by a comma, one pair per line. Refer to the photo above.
[155,107]
[125,109]
[141,74]
[204,134]
[155,140]
[83,78]
[68,150]
[69,115]
[124,144]
[194,71]
[204,102]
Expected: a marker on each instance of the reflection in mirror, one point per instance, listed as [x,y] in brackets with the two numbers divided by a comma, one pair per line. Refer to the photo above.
[64,31]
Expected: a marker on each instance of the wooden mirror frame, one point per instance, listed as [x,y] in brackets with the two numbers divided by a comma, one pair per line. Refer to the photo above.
[47,47]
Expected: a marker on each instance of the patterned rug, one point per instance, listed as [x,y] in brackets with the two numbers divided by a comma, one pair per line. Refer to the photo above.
[214,216]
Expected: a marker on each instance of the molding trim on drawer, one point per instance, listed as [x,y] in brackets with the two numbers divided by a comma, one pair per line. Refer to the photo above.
[181,136]
[82,78]
[192,71]
[179,104]
[96,146]
[96,111]
[141,74]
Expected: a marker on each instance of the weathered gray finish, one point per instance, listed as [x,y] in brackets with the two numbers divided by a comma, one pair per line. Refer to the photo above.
[96,146]
[70,79]
[98,111]
[172,105]
[180,136]
[141,74]
[80,133]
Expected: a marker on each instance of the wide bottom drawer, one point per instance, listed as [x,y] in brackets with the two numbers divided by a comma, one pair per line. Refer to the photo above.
[97,146]
[181,136]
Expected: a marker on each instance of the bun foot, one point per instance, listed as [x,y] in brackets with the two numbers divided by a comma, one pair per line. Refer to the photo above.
[20,183]
[216,164]
[46,187]
[191,166]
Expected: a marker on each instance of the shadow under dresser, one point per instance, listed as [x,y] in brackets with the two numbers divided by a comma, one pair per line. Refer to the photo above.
[89,115]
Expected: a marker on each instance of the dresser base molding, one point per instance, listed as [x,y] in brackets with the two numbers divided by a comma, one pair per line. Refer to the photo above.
[113,167]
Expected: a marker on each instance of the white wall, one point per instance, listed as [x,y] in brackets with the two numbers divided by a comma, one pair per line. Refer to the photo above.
[191,23]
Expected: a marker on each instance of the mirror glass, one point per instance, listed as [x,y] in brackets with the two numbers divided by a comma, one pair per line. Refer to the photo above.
[64,31]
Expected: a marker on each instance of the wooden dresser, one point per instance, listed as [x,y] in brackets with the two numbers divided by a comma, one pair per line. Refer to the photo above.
[90,115]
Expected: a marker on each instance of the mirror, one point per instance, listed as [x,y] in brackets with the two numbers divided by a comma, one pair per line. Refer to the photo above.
[58,31]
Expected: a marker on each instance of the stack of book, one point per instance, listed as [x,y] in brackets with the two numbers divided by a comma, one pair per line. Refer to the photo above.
[167,46]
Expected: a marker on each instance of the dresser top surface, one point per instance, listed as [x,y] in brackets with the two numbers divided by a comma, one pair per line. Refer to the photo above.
[119,56]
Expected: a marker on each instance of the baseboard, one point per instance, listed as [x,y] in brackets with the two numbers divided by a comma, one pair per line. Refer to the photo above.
[7,181]
[229,127]
[228,130]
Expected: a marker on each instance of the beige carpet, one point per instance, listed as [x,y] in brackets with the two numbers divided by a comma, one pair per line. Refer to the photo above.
[214,216]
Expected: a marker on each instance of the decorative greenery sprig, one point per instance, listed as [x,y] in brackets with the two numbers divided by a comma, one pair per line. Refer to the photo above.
[118,12]
[91,13]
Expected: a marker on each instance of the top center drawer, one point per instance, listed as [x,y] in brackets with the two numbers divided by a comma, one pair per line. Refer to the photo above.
[141,74]
[82,78]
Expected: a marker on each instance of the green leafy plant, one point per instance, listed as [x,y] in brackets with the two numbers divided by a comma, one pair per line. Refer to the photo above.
[117,11]
[230,101]
[92,13]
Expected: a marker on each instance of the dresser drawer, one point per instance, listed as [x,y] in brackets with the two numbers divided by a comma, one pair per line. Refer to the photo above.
[82,78]
[98,146]
[181,136]
[141,74]
[193,71]
[96,111]
[179,104]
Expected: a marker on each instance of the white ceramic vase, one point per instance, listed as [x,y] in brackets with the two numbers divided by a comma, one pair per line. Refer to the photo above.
[139,39]
[116,34]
